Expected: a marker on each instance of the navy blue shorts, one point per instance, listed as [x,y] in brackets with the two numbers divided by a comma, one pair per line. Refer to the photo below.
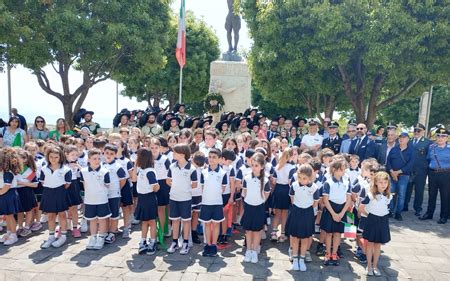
[134,187]
[211,213]
[114,206]
[163,193]
[92,212]
[196,203]
[126,195]
[225,199]
[180,210]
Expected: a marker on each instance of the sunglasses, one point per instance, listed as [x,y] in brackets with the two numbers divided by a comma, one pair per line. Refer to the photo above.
[417,130]
[359,129]
[441,135]
[39,121]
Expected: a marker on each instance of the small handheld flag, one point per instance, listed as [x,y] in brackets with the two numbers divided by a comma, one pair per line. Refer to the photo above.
[349,230]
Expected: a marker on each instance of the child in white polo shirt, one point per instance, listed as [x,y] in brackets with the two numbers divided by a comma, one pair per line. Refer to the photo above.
[96,206]
[182,178]
[214,181]
[118,179]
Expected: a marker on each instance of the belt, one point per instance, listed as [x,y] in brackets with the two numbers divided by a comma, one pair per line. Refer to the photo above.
[440,170]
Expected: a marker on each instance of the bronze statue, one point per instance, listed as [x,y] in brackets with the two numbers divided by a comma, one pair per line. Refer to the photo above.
[232,24]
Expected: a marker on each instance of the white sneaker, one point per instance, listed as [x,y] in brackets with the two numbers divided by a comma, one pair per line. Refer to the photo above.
[83,225]
[61,240]
[258,249]
[184,249]
[44,218]
[369,271]
[248,256]
[91,243]
[11,239]
[126,233]
[135,221]
[4,237]
[99,243]
[173,247]
[295,266]
[308,257]
[302,265]
[254,257]
[47,243]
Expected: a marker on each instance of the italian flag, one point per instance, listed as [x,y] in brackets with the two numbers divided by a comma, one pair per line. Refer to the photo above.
[181,41]
[28,174]
[349,230]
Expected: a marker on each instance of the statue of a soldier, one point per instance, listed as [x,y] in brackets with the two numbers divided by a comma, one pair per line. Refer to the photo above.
[232,24]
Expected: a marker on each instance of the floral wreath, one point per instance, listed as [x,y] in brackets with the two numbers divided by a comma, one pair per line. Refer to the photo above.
[213,102]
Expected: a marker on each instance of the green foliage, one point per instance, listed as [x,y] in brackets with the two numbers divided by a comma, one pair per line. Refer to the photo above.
[202,47]
[370,53]
[93,37]
[407,111]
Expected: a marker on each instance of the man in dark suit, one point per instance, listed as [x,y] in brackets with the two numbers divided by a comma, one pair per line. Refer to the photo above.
[419,173]
[362,145]
[386,146]
[273,130]
[333,142]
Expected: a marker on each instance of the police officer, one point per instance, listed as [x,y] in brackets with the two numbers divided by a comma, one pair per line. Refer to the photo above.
[419,172]
[333,141]
[439,176]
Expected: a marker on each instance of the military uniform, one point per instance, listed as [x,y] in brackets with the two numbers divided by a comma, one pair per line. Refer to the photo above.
[419,173]
[93,127]
[332,143]
[173,130]
[153,130]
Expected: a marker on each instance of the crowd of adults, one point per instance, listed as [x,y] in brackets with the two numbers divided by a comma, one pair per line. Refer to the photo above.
[410,159]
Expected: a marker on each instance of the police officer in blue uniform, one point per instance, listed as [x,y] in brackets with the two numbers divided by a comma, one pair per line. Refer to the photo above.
[439,176]
[419,172]
[333,141]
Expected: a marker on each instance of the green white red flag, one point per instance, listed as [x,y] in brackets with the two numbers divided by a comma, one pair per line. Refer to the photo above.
[181,41]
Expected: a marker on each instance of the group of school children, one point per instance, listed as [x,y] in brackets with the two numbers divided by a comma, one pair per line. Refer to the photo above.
[239,182]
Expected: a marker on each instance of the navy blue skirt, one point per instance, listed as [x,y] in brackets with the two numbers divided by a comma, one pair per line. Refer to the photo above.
[361,224]
[147,207]
[73,193]
[38,192]
[134,188]
[163,193]
[281,199]
[9,203]
[300,222]
[126,195]
[254,217]
[54,200]
[376,229]
[27,199]
[327,223]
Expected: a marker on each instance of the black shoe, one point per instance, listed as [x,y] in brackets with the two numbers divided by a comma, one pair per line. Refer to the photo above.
[426,217]
[213,251]
[442,221]
[390,215]
[398,217]
[195,238]
[339,253]
[320,250]
[417,213]
[225,240]
[206,251]
[405,209]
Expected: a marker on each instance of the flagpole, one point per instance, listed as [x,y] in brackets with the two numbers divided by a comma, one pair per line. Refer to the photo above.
[181,85]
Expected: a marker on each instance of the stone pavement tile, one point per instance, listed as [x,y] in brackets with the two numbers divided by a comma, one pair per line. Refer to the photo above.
[433,260]
[148,275]
[198,267]
[30,266]
[115,272]
[420,275]
[439,275]
[173,276]
[180,266]
[17,275]
[415,265]
[236,278]
[189,276]
[439,253]
[52,277]
[348,276]
[444,268]
[395,269]
[208,277]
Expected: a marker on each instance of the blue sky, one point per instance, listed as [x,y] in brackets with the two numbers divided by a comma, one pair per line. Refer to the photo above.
[30,100]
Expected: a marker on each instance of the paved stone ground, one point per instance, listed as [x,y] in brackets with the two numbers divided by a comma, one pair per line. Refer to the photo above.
[418,251]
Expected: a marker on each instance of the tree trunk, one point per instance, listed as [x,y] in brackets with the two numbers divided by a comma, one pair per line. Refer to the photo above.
[68,112]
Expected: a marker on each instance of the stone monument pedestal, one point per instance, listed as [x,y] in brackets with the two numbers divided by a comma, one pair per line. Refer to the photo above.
[233,81]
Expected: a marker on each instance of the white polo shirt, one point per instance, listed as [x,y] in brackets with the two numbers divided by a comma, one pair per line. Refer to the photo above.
[285,173]
[182,179]
[116,173]
[377,205]
[336,191]
[57,178]
[95,185]
[243,171]
[213,181]
[252,185]
[230,174]
[162,164]
[198,191]
[304,195]
[126,165]
[146,180]
[311,140]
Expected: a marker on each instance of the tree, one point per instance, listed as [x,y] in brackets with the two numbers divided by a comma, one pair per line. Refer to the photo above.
[407,111]
[372,52]
[202,47]
[93,37]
